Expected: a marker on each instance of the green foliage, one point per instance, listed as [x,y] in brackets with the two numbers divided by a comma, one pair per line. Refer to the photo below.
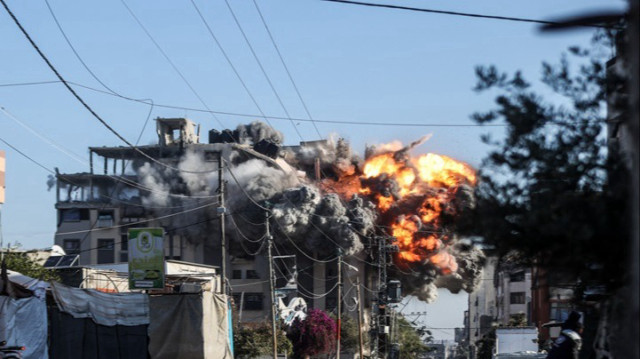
[349,341]
[486,344]
[518,320]
[552,189]
[254,341]
[20,262]
[409,338]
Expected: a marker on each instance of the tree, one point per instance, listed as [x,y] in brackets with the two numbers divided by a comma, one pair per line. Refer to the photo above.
[20,262]
[486,344]
[518,320]
[314,335]
[552,190]
[254,341]
[349,340]
[410,339]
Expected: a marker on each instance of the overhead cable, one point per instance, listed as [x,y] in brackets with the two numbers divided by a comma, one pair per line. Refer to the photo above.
[120,179]
[264,72]
[28,157]
[233,67]
[173,65]
[84,104]
[286,68]
[141,221]
[335,122]
[465,14]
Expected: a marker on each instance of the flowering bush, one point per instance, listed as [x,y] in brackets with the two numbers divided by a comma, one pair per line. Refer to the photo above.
[314,335]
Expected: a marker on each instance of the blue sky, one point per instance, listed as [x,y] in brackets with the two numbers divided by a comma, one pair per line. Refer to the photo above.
[350,63]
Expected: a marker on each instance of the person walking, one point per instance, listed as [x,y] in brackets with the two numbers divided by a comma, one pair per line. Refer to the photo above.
[568,344]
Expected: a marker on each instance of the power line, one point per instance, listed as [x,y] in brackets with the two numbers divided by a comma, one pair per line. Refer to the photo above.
[249,115]
[224,53]
[255,56]
[242,235]
[248,196]
[54,173]
[120,179]
[75,94]
[456,13]
[57,146]
[84,64]
[173,229]
[275,45]
[27,156]
[173,65]
[142,221]
[16,84]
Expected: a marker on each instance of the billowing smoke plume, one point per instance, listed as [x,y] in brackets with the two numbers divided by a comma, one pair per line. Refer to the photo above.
[321,197]
[256,132]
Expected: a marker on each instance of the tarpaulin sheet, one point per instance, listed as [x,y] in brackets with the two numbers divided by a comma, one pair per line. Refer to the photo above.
[37,286]
[189,326]
[23,322]
[104,308]
[82,338]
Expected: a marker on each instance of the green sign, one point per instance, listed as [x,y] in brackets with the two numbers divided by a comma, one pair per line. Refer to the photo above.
[146,258]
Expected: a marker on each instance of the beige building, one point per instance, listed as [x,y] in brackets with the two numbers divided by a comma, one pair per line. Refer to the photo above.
[96,209]
[482,302]
[513,294]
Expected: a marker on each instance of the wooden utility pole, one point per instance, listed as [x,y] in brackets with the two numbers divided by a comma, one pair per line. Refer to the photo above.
[361,341]
[339,304]
[221,213]
[271,289]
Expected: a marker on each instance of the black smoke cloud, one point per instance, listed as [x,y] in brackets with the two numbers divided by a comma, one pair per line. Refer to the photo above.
[303,213]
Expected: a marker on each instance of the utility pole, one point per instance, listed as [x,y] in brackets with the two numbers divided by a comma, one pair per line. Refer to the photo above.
[339,303]
[361,342]
[221,213]
[380,316]
[272,288]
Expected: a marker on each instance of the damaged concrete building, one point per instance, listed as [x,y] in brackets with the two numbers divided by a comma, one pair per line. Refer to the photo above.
[174,184]
[95,209]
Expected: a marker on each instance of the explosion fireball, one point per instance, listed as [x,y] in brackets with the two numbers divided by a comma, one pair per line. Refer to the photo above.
[412,201]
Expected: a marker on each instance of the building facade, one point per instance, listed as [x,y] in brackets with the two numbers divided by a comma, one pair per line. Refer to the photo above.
[482,302]
[121,190]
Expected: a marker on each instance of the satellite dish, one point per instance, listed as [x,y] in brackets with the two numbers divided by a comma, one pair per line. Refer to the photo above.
[56,250]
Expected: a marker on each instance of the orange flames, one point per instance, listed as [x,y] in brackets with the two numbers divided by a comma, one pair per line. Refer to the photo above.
[422,188]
